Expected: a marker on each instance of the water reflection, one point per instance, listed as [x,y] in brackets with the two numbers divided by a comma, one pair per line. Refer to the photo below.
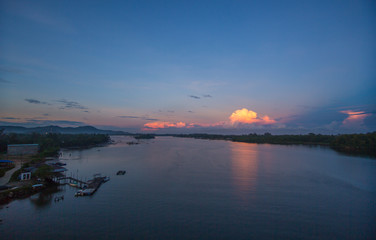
[69,154]
[244,169]
[45,198]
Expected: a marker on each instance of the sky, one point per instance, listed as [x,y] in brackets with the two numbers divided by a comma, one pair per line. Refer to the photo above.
[190,66]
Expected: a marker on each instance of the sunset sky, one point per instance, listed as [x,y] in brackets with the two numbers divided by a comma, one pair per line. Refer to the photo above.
[190,66]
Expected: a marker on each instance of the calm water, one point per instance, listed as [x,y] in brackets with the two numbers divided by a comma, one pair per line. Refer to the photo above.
[179,188]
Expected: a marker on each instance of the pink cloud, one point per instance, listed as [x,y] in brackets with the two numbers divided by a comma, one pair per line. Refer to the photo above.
[354,118]
[160,125]
[243,116]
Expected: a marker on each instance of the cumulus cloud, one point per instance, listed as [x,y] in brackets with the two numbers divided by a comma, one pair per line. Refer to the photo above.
[241,116]
[354,118]
[245,116]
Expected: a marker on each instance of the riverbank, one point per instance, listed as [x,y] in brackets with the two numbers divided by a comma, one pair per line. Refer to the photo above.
[22,191]
[50,145]
[351,144]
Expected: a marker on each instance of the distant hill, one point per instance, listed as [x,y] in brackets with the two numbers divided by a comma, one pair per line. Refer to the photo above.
[63,130]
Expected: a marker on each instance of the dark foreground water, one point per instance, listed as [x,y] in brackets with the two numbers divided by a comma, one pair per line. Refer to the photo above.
[179,188]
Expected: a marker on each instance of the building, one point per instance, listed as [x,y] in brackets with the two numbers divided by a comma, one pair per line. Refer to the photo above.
[6,163]
[23,149]
[25,176]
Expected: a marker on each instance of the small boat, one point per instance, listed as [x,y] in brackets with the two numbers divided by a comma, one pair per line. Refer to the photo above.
[84,192]
[106,179]
[79,193]
[73,184]
[121,172]
[60,164]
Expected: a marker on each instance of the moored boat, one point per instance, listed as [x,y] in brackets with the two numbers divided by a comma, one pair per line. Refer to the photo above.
[121,172]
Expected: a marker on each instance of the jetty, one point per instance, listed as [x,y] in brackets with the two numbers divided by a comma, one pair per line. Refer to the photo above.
[92,185]
[71,180]
[87,188]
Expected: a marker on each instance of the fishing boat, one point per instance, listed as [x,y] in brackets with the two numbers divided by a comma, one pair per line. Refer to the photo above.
[121,172]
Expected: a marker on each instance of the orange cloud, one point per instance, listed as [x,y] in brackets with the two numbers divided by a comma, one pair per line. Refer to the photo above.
[160,125]
[354,117]
[239,116]
[249,117]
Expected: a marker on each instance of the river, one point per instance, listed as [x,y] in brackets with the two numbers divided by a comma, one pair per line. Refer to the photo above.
[179,188]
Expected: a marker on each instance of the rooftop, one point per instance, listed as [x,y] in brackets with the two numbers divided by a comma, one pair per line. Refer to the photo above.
[21,145]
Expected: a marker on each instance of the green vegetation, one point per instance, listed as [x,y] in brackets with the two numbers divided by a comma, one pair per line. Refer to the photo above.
[14,177]
[144,136]
[355,143]
[51,143]
[360,144]
[43,171]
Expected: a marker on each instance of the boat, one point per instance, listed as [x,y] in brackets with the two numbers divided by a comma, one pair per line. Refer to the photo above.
[121,172]
[85,192]
[73,184]
[78,193]
[106,179]
[60,164]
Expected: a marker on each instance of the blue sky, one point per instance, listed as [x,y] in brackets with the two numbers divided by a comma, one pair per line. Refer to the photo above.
[187,66]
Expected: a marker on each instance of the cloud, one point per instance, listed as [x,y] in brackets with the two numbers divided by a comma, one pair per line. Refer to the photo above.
[159,125]
[193,96]
[4,81]
[10,118]
[55,122]
[241,116]
[35,101]
[71,105]
[128,117]
[137,117]
[40,122]
[354,118]
[245,116]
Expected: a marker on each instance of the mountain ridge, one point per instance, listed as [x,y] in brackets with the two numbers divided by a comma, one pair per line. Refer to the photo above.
[62,130]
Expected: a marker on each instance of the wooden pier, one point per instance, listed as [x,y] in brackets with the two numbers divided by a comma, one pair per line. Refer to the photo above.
[92,185]
[70,180]
[86,188]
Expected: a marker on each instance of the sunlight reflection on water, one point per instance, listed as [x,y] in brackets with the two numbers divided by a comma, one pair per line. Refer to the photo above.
[244,168]
[178,188]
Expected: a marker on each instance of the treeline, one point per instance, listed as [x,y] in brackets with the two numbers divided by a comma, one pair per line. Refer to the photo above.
[348,143]
[144,136]
[50,144]
[355,143]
